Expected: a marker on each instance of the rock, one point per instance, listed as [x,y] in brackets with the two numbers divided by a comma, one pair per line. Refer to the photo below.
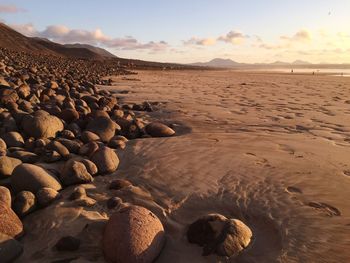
[7,165]
[42,125]
[25,156]
[46,195]
[73,146]
[13,139]
[32,178]
[90,166]
[157,129]
[78,193]
[3,147]
[85,201]
[10,249]
[106,160]
[75,172]
[104,127]
[9,222]
[88,136]
[119,184]
[67,134]
[68,243]
[117,144]
[133,234]
[88,149]
[219,235]
[24,203]
[58,147]
[5,196]
[69,115]
[114,202]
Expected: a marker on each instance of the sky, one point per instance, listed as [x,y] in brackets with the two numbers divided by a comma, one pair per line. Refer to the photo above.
[249,31]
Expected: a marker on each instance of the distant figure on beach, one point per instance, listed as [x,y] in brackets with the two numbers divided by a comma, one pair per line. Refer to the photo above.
[292,71]
[313,72]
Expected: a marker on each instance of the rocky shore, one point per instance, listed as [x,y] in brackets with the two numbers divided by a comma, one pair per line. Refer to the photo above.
[58,130]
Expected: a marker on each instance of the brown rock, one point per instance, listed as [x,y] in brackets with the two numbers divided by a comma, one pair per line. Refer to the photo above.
[46,195]
[106,160]
[24,203]
[157,129]
[104,127]
[42,125]
[32,178]
[119,184]
[133,235]
[13,139]
[7,165]
[5,196]
[9,222]
[10,248]
[75,172]
[219,235]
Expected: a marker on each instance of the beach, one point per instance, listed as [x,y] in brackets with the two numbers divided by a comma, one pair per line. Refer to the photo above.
[268,149]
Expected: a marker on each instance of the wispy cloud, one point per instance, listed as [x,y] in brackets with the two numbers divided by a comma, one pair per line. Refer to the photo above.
[233,37]
[63,34]
[200,41]
[10,9]
[302,35]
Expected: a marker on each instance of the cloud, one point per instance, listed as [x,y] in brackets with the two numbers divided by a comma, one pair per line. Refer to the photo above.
[10,9]
[200,41]
[233,37]
[65,35]
[302,35]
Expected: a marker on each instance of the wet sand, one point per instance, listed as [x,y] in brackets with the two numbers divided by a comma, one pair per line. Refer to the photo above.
[269,149]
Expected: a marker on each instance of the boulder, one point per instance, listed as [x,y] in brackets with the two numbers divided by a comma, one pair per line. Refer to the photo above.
[24,203]
[10,248]
[133,235]
[3,147]
[219,235]
[5,196]
[75,172]
[13,139]
[42,125]
[25,156]
[7,165]
[106,160]
[104,127]
[32,178]
[10,224]
[46,195]
[157,129]
[69,115]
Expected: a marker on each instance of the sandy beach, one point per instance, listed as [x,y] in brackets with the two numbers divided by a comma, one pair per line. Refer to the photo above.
[269,149]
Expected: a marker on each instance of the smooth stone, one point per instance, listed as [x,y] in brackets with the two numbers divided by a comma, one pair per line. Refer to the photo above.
[32,178]
[46,196]
[157,129]
[106,160]
[219,235]
[104,127]
[13,139]
[133,235]
[10,224]
[75,172]
[24,203]
[7,165]
[5,196]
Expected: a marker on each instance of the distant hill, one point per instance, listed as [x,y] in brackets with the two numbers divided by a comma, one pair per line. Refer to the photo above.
[94,49]
[219,63]
[229,63]
[13,40]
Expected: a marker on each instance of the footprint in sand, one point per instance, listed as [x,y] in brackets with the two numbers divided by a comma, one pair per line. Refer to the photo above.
[346,172]
[293,190]
[325,208]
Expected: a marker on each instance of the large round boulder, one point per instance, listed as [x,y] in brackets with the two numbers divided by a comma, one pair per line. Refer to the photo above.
[104,127]
[133,235]
[31,178]
[42,125]
[10,224]
[157,129]
[106,160]
[219,235]
[13,139]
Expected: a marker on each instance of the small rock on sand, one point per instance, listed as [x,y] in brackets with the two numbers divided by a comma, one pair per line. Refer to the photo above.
[219,235]
[106,160]
[157,129]
[24,203]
